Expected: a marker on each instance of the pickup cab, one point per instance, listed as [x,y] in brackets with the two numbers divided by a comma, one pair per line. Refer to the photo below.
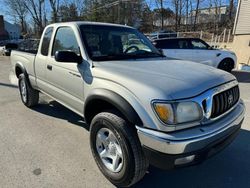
[142,107]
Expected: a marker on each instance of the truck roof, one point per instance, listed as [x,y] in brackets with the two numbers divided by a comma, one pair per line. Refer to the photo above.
[78,23]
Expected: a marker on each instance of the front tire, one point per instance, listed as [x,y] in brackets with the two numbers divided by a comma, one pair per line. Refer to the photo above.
[29,96]
[117,150]
[226,65]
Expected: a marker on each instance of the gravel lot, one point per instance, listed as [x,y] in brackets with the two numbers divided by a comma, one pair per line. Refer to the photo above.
[48,146]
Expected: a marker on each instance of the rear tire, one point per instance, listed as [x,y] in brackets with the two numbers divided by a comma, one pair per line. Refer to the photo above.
[226,65]
[132,164]
[29,96]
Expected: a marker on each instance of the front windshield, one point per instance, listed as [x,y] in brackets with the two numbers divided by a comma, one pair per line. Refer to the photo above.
[115,43]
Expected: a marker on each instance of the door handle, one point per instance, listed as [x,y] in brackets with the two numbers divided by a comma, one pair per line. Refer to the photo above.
[49,67]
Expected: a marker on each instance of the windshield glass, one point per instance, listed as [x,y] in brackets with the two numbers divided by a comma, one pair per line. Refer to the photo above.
[115,43]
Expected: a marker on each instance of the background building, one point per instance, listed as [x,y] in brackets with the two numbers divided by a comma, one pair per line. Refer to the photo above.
[211,14]
[3,33]
[8,30]
[241,44]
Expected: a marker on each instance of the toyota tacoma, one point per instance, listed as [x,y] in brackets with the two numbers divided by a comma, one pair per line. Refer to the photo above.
[142,107]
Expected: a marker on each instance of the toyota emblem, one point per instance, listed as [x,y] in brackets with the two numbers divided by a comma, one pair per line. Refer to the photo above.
[230,99]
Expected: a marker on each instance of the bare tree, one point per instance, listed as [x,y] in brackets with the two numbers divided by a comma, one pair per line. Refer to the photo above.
[196,14]
[162,21]
[159,4]
[176,8]
[68,12]
[217,5]
[80,6]
[231,7]
[18,10]
[181,5]
[188,8]
[36,10]
[55,4]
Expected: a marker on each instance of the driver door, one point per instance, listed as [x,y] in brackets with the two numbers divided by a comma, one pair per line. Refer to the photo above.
[65,78]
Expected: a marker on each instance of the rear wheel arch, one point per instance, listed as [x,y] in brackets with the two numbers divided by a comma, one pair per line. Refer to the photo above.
[102,100]
[29,96]
[20,69]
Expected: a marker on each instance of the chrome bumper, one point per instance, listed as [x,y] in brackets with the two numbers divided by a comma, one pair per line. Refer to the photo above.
[193,139]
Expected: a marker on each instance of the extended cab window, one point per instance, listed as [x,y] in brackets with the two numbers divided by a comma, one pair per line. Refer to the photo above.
[46,41]
[65,40]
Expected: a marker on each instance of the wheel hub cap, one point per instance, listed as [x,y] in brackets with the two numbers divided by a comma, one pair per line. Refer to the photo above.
[23,90]
[109,150]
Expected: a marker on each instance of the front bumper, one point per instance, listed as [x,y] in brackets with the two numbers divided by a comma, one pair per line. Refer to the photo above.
[162,149]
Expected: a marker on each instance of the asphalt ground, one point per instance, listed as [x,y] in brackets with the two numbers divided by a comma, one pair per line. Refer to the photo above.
[48,146]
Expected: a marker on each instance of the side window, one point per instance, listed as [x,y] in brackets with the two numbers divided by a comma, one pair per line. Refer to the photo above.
[161,44]
[184,44]
[196,44]
[167,44]
[65,40]
[46,41]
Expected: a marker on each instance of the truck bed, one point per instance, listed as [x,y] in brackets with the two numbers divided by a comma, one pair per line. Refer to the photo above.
[26,58]
[28,51]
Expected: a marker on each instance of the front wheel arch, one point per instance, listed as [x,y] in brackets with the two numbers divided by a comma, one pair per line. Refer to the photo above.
[102,99]
[226,64]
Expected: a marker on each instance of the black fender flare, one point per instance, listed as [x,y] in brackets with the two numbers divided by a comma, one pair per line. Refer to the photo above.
[20,66]
[115,100]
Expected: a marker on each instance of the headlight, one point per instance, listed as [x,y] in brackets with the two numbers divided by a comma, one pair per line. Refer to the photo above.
[165,112]
[178,112]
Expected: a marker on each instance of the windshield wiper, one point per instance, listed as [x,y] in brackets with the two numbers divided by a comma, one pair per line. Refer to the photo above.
[154,53]
[111,57]
[142,54]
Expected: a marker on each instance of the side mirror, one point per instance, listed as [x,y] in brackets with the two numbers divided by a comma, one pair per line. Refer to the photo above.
[67,57]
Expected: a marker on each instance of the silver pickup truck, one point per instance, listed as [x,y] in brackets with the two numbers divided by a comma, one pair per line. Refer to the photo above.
[142,107]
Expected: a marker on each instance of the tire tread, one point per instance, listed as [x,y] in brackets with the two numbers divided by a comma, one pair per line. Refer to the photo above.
[141,163]
[32,94]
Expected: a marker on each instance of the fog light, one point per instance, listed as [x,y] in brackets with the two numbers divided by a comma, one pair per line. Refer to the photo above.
[184,160]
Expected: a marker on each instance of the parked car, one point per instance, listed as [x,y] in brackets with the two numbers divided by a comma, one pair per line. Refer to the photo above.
[29,45]
[141,106]
[162,34]
[197,50]
[1,50]
[8,48]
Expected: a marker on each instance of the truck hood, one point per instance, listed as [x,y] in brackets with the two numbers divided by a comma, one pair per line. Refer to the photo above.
[165,79]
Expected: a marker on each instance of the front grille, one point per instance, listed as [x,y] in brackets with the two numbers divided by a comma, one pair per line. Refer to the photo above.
[225,100]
